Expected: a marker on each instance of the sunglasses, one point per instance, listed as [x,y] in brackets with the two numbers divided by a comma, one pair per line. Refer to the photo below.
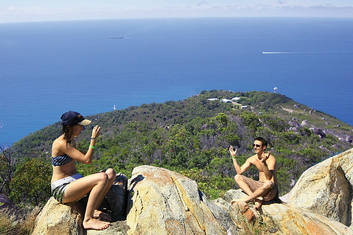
[256,145]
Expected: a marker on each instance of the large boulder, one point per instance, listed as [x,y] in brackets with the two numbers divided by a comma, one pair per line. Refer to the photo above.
[165,202]
[283,218]
[56,218]
[326,188]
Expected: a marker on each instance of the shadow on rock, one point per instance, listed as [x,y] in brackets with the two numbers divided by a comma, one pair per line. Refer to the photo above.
[133,182]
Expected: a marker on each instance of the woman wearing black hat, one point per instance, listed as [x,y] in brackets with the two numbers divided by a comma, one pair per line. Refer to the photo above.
[67,185]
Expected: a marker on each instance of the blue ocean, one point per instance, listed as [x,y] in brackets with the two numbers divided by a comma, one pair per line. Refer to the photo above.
[89,66]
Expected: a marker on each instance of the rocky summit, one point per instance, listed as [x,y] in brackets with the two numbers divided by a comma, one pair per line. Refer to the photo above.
[165,202]
[326,188]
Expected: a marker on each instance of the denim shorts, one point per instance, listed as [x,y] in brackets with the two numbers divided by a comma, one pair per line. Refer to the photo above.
[58,187]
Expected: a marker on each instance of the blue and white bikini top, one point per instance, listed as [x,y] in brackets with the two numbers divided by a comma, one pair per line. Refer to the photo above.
[60,160]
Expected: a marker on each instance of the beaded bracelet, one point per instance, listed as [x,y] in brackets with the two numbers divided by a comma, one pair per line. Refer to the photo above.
[92,147]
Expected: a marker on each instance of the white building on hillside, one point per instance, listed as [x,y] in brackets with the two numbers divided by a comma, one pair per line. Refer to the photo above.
[226,101]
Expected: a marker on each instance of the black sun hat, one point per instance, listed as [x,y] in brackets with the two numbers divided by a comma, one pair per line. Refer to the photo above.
[73,118]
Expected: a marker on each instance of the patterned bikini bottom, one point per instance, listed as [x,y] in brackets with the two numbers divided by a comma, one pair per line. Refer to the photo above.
[58,187]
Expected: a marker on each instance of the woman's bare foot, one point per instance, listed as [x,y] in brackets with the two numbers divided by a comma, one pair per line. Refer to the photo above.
[95,224]
[101,216]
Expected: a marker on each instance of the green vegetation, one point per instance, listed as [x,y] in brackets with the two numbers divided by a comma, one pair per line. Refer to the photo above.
[30,182]
[189,136]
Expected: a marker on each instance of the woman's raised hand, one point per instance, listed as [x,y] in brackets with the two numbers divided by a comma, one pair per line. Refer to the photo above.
[96,131]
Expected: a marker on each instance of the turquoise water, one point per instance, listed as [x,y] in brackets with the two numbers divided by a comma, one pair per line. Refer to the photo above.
[49,68]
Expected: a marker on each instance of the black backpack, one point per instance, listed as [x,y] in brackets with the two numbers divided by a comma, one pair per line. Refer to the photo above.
[117,198]
[115,201]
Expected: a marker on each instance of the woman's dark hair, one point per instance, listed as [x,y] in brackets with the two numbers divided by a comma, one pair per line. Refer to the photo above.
[67,131]
[262,140]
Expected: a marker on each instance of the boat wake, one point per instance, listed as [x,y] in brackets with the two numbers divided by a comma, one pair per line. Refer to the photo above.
[304,53]
[275,52]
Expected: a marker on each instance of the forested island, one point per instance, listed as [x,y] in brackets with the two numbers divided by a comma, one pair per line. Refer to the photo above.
[190,136]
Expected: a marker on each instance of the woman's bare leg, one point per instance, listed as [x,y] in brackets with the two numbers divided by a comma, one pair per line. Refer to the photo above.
[111,177]
[94,200]
[95,184]
[110,180]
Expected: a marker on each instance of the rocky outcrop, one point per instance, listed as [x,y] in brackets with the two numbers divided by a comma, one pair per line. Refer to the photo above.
[56,218]
[304,123]
[165,202]
[349,139]
[326,188]
[293,123]
[282,218]
[318,131]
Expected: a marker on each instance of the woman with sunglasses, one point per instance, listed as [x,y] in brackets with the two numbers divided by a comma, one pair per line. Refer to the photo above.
[69,186]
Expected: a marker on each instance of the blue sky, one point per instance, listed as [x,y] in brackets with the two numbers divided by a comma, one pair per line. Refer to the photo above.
[47,10]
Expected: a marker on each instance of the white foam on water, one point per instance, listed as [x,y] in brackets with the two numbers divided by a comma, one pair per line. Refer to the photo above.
[275,52]
[304,53]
